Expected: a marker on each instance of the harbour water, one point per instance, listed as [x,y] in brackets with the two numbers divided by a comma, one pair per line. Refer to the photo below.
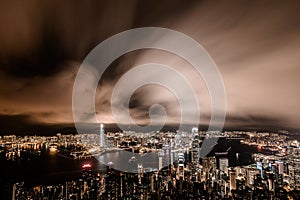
[51,168]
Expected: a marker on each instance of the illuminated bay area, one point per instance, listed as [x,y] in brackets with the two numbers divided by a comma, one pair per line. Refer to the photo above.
[161,165]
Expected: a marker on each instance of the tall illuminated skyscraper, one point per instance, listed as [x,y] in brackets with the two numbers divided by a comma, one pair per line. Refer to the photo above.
[102,136]
[196,149]
[223,165]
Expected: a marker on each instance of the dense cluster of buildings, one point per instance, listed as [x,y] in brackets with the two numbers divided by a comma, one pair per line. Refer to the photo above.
[245,182]
[274,173]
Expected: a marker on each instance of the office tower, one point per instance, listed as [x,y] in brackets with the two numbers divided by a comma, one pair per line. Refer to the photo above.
[223,164]
[270,180]
[102,136]
[240,183]
[294,168]
[160,162]
[196,149]
[14,192]
[180,168]
[140,173]
[250,175]
[195,130]
[167,155]
[260,168]
[280,166]
[232,177]
[209,163]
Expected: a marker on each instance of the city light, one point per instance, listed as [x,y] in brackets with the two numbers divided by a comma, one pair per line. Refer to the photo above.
[86,166]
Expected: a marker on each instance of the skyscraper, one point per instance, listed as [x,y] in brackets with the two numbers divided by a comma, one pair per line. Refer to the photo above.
[102,136]
[196,149]
[232,178]
[223,164]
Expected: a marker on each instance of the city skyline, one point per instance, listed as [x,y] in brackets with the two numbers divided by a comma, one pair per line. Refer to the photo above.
[255,45]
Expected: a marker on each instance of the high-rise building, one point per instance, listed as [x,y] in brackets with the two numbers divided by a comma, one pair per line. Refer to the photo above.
[140,172]
[250,175]
[270,178]
[280,166]
[102,136]
[232,178]
[180,168]
[195,150]
[167,155]
[160,162]
[14,192]
[209,163]
[223,164]
[195,130]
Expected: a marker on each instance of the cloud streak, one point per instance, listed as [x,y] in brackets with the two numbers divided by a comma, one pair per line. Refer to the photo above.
[255,44]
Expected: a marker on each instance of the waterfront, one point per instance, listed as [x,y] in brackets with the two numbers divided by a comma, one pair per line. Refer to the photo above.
[48,168]
[52,168]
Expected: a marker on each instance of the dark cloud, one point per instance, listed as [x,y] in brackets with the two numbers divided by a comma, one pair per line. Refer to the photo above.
[39,37]
[44,60]
[23,124]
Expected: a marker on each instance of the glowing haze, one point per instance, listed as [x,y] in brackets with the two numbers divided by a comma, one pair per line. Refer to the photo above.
[255,44]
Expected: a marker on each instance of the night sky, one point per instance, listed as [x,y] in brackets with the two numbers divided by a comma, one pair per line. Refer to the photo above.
[255,44]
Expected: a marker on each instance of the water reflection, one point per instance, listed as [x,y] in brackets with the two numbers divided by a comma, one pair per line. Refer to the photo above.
[128,161]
